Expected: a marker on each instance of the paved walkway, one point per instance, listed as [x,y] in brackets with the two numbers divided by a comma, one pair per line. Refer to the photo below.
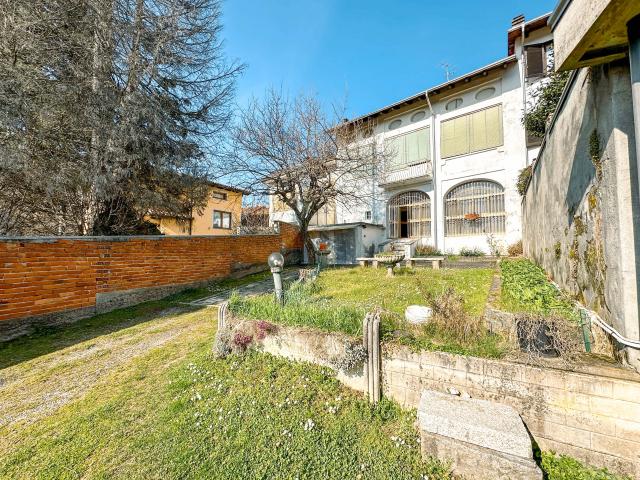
[249,290]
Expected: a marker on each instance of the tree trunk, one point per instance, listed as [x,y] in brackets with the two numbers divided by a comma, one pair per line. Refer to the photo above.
[308,243]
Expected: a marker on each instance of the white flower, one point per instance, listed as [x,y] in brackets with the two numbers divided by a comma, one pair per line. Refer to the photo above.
[309,425]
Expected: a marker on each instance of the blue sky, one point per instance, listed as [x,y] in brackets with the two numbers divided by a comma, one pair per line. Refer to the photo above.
[365,53]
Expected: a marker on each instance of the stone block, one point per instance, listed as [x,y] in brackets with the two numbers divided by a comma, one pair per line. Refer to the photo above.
[475,462]
[482,439]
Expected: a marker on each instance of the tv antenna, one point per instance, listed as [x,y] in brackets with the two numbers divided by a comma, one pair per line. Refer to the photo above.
[449,70]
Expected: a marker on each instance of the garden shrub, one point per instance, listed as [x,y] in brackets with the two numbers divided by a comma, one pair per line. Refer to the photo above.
[545,103]
[450,316]
[222,343]
[355,354]
[471,252]
[523,180]
[525,288]
[427,251]
[538,333]
[515,249]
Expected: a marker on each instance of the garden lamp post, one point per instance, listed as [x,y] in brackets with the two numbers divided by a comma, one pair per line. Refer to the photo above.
[276,262]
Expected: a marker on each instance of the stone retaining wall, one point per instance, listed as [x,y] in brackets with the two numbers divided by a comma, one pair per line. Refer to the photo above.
[592,414]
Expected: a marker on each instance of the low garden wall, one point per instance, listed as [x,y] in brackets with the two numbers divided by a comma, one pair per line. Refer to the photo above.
[49,280]
[592,414]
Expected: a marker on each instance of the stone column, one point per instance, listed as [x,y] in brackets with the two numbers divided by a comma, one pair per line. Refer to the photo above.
[371,341]
[633,32]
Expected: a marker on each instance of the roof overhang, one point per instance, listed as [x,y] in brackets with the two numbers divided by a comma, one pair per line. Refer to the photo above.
[445,87]
[342,226]
[229,188]
[515,32]
[591,32]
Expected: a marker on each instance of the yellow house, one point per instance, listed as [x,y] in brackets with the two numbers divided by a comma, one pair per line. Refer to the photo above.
[220,216]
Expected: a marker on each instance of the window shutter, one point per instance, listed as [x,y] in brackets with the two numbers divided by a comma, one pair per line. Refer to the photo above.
[455,137]
[535,58]
[395,152]
[486,129]
[417,146]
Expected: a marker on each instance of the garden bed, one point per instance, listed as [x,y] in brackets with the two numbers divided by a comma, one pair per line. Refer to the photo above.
[340,298]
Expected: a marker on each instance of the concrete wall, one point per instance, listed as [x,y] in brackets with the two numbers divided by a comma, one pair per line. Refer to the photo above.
[592,414]
[581,212]
[52,280]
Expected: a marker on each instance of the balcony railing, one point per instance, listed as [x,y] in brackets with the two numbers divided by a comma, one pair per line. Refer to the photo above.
[419,171]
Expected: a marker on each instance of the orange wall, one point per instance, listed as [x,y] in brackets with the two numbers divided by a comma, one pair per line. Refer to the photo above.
[203,222]
[42,276]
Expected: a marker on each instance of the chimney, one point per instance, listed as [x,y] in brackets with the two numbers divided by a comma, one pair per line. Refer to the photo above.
[517,20]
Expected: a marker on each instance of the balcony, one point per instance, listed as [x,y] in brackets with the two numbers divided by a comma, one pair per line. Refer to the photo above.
[591,32]
[412,174]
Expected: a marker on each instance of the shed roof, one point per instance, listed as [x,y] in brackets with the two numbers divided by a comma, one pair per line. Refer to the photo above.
[342,226]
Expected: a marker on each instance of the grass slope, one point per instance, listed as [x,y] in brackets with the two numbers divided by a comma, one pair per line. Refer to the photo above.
[177,413]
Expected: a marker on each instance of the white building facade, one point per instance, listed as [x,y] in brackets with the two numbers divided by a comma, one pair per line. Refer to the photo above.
[453,154]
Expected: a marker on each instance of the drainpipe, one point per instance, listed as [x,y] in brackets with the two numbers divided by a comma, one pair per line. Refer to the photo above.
[436,200]
[524,91]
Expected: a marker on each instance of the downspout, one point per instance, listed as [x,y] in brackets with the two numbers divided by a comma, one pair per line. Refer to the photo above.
[436,199]
[524,93]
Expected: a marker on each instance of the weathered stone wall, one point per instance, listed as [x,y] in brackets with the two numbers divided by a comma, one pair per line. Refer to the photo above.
[581,210]
[51,280]
[592,414]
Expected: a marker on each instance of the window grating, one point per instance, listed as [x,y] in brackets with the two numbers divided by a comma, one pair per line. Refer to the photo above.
[474,208]
[409,215]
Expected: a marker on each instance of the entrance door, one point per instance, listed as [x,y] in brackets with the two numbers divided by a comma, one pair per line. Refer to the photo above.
[404,222]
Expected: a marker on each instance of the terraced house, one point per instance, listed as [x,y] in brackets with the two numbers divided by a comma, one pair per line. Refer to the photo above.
[454,154]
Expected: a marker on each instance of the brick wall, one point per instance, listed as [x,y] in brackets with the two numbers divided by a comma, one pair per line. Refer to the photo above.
[51,280]
[592,414]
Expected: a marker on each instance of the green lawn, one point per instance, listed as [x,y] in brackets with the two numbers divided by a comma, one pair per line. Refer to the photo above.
[178,413]
[341,297]
[136,394]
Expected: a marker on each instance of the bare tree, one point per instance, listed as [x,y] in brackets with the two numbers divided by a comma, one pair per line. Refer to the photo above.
[255,216]
[303,157]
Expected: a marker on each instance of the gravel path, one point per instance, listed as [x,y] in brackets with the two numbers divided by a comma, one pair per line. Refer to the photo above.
[250,290]
[36,388]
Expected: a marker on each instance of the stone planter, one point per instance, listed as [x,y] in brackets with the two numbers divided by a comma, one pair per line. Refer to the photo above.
[389,261]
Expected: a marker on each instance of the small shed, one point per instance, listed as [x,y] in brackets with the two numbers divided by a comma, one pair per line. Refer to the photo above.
[350,240]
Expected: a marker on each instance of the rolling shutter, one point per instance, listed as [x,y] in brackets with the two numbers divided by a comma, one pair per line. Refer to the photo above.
[455,137]
[486,129]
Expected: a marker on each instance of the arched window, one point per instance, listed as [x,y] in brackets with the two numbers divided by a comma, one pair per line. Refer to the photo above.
[453,104]
[395,124]
[416,117]
[486,93]
[409,215]
[474,208]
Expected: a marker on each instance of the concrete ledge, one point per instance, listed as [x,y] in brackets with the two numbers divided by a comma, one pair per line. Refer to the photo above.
[10,329]
[106,302]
